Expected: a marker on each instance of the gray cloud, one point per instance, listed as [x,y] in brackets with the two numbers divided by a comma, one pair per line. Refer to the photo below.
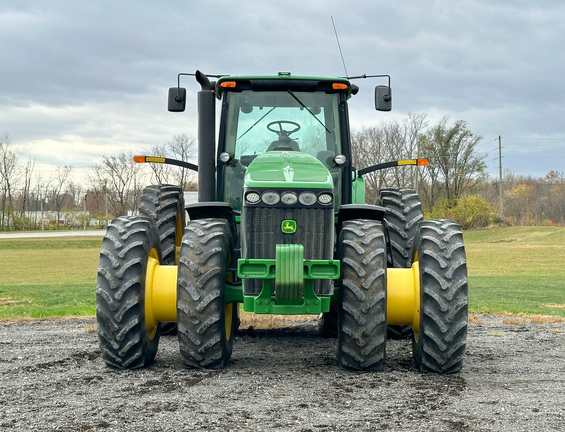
[96,73]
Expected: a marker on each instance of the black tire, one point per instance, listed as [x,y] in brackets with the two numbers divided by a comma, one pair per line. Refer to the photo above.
[127,247]
[165,205]
[206,325]
[439,344]
[362,306]
[404,213]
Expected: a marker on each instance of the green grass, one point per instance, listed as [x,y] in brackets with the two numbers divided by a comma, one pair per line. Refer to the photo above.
[516,270]
[46,277]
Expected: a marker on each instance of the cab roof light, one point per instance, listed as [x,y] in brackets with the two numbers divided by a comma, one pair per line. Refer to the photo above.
[228,84]
[339,86]
[422,162]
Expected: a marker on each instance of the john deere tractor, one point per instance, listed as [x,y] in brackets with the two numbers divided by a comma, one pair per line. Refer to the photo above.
[281,227]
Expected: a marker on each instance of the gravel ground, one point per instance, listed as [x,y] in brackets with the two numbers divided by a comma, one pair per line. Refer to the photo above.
[53,379]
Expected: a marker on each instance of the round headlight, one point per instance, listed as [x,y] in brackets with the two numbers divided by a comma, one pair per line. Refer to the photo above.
[225,157]
[270,198]
[325,198]
[307,198]
[289,198]
[252,198]
[339,159]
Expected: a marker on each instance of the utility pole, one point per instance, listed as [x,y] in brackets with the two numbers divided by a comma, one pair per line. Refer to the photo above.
[501,210]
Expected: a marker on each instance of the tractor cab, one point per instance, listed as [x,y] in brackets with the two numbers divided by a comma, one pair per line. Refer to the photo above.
[287,115]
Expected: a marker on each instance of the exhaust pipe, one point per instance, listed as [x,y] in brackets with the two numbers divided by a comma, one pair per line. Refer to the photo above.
[206,139]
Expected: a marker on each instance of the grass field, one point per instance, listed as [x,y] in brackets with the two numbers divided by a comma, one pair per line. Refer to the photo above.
[516,270]
[44,277]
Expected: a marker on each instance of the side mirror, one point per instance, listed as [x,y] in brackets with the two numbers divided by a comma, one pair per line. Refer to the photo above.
[383,98]
[177,99]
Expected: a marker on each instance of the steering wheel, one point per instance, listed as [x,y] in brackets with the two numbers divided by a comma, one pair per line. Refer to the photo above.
[281,132]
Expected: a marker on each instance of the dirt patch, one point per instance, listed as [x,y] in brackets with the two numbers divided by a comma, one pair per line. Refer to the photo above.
[287,378]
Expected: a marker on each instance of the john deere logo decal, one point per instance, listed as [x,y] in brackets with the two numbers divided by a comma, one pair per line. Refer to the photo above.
[288,226]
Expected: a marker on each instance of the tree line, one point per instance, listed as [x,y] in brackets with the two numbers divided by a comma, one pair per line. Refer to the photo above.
[29,201]
[454,185]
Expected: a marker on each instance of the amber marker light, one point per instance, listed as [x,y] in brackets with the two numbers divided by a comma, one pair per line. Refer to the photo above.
[339,86]
[422,162]
[139,159]
[228,84]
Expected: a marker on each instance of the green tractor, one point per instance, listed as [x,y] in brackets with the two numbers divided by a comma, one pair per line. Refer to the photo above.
[281,227]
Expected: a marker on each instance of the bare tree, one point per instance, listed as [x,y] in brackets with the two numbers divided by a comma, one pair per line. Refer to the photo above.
[121,178]
[387,142]
[26,189]
[41,192]
[181,147]
[454,161]
[160,173]
[57,191]
[8,178]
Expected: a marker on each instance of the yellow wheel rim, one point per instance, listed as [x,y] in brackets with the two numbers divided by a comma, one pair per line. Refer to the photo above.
[150,320]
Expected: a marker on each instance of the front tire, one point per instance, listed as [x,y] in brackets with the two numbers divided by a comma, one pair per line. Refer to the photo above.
[362,307]
[129,245]
[206,325]
[439,344]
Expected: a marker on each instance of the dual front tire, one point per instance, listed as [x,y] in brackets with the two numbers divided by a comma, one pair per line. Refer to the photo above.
[439,340]
[206,325]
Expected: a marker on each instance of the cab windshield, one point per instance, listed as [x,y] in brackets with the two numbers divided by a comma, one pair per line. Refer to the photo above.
[261,121]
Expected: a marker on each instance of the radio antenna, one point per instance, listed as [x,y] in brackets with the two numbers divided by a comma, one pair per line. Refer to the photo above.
[339,46]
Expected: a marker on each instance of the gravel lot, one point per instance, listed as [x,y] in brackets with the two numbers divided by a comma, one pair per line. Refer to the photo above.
[53,379]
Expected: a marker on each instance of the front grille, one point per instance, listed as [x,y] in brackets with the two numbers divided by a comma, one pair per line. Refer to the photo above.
[261,232]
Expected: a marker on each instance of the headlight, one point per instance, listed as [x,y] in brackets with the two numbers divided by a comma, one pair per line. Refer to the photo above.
[289,198]
[252,198]
[270,198]
[339,159]
[325,199]
[307,198]
[225,157]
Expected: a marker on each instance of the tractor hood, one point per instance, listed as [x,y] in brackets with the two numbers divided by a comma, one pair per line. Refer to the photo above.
[287,169]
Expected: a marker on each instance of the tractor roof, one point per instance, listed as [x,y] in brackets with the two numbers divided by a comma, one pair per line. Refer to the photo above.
[284,81]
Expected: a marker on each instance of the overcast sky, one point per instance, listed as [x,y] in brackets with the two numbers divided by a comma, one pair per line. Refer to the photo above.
[83,79]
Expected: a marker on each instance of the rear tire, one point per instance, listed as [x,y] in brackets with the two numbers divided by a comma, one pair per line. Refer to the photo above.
[127,247]
[404,213]
[165,205]
[362,306]
[439,345]
[206,325]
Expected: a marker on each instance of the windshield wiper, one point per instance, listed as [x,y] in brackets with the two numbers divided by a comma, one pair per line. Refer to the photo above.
[307,109]
[255,124]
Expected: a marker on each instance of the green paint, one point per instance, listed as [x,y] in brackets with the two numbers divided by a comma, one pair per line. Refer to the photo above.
[267,269]
[287,170]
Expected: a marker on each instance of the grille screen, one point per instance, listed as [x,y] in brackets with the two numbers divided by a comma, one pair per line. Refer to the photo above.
[262,232]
